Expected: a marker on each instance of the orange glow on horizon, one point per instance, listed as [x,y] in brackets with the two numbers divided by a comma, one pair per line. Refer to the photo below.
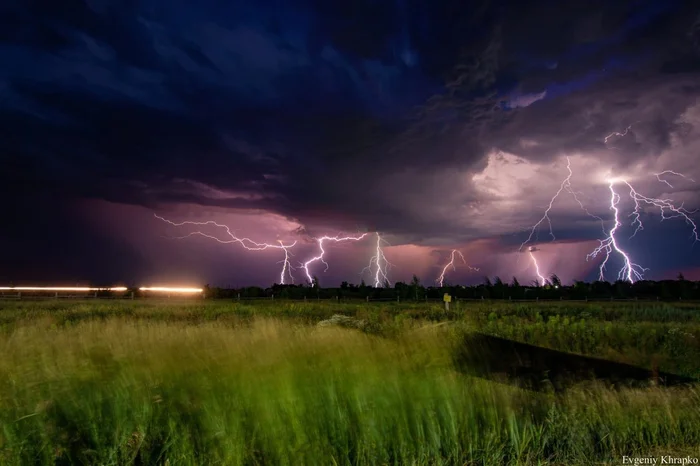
[167,289]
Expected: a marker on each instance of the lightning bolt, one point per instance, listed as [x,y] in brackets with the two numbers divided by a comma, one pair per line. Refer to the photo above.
[247,243]
[320,257]
[631,271]
[381,263]
[615,133]
[440,280]
[564,186]
[537,268]
[670,172]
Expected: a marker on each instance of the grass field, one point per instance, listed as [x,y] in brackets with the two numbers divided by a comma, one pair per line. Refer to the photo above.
[130,382]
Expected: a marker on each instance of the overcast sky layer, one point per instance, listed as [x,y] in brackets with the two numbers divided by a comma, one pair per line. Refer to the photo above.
[442,125]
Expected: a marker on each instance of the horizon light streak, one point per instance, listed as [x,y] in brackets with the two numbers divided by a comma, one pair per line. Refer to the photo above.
[255,246]
[440,280]
[167,289]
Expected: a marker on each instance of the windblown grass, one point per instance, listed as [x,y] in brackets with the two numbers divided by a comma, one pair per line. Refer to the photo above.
[261,390]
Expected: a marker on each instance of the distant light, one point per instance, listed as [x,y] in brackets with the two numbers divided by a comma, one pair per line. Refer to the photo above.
[556,287]
[166,289]
[60,288]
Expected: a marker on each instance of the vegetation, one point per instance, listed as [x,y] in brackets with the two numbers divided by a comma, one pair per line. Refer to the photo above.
[221,382]
[496,288]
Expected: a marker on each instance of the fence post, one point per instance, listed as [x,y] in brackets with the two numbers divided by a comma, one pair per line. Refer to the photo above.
[304,298]
[132,295]
[397,299]
[238,297]
[537,299]
[57,295]
[95,294]
[272,297]
[367,298]
[19,295]
[337,299]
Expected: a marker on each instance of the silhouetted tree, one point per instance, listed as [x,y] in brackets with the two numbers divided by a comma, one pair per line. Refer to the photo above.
[516,288]
[415,286]
[554,279]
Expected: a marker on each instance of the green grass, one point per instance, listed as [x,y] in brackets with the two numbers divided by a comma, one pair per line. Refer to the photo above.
[232,383]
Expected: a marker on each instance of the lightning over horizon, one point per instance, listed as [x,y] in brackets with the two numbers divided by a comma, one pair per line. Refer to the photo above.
[440,280]
[380,271]
[247,243]
[485,138]
[564,186]
[537,266]
[631,271]
[320,257]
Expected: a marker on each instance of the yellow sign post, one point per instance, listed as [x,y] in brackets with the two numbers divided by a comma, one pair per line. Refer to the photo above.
[448,299]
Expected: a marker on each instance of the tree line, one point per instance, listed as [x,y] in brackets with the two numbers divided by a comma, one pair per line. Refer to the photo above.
[490,288]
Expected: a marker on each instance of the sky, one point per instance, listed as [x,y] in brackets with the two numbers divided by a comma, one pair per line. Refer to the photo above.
[441,125]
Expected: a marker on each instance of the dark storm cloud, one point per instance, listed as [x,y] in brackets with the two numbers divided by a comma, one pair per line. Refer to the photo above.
[359,114]
[45,241]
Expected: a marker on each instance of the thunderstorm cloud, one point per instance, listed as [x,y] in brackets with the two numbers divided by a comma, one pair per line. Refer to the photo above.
[441,125]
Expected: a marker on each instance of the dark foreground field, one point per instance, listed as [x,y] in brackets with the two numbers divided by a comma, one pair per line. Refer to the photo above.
[227,383]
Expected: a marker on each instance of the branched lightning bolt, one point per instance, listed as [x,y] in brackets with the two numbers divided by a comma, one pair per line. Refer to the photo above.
[631,271]
[666,208]
[564,186]
[247,243]
[320,257]
[671,172]
[440,280]
[537,268]
[379,260]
